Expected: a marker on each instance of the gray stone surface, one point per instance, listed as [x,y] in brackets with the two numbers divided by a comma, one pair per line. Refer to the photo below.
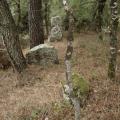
[56,21]
[56,29]
[42,54]
[56,34]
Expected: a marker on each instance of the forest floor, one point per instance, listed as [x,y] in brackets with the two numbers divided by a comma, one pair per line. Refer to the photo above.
[41,95]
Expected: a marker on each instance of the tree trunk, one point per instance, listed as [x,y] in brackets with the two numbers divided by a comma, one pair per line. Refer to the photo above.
[74,99]
[18,13]
[99,18]
[11,37]
[47,17]
[36,23]
[113,39]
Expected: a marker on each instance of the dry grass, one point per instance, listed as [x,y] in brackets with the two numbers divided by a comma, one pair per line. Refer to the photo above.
[41,93]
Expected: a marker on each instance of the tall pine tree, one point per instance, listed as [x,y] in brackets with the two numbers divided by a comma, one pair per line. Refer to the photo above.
[36,28]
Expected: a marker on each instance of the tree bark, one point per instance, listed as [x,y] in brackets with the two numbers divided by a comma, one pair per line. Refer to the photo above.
[47,17]
[99,18]
[113,39]
[70,38]
[18,13]
[11,37]
[36,23]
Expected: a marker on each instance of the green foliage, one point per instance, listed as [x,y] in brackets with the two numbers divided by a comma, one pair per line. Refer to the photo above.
[83,10]
[23,7]
[80,86]
[56,8]
[34,114]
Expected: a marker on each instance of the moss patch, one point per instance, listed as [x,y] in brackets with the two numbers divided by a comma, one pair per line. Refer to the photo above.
[80,86]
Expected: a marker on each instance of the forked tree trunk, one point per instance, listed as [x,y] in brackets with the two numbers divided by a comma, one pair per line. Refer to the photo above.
[68,57]
[11,37]
[113,39]
[36,23]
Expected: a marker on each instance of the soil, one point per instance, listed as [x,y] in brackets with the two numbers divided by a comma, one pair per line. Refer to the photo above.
[41,90]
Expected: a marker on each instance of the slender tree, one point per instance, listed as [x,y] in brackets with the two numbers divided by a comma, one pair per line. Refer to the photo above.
[113,39]
[99,17]
[46,15]
[18,12]
[74,99]
[36,23]
[11,37]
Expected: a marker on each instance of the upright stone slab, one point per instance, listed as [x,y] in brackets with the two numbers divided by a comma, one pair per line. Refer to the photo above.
[56,21]
[56,29]
[56,34]
[43,55]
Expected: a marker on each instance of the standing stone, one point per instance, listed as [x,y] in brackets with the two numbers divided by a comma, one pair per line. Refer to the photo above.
[56,21]
[55,34]
[56,29]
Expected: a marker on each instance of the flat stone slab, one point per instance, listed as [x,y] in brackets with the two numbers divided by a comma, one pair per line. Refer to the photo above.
[43,54]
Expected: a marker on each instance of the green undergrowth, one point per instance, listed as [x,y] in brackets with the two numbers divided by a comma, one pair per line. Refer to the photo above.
[80,85]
